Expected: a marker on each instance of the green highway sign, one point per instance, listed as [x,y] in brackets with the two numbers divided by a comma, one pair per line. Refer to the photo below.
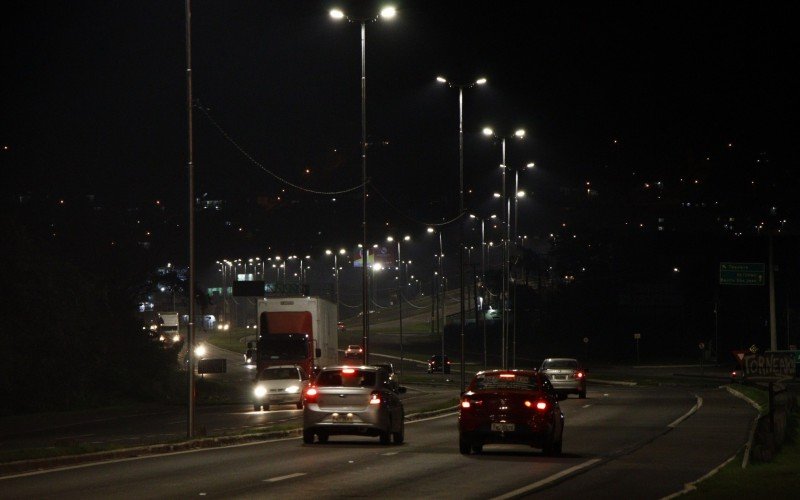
[741,273]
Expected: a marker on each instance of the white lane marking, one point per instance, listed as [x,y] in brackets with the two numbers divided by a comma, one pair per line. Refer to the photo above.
[390,453]
[548,480]
[586,406]
[693,485]
[283,478]
[689,413]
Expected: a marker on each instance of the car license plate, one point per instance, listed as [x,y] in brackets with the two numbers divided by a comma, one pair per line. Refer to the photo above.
[503,427]
[342,419]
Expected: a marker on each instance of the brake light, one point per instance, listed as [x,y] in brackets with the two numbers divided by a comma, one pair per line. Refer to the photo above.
[348,371]
[507,375]
[375,399]
[579,374]
[541,405]
[465,404]
[528,404]
[311,395]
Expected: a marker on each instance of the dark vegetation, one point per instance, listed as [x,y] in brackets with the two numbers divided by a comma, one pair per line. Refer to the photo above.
[70,336]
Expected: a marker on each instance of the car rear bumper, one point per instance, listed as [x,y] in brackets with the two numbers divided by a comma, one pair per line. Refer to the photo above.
[519,436]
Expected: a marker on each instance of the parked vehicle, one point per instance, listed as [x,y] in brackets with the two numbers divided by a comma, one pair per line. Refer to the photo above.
[435,363]
[296,331]
[566,375]
[353,401]
[510,407]
[279,385]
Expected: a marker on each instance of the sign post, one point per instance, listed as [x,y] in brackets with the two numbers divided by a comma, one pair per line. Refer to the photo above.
[701,346]
[637,337]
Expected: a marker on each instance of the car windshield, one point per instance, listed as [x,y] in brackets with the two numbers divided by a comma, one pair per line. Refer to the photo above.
[353,347]
[561,363]
[504,381]
[348,377]
[279,374]
[386,366]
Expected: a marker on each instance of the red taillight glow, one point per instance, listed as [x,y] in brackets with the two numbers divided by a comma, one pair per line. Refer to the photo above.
[311,395]
[579,374]
[507,375]
[348,371]
[528,404]
[375,399]
[465,404]
[541,405]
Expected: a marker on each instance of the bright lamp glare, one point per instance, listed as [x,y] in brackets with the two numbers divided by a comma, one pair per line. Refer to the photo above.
[337,14]
[520,133]
[521,194]
[430,229]
[441,79]
[531,165]
[480,81]
[496,195]
[388,12]
[488,131]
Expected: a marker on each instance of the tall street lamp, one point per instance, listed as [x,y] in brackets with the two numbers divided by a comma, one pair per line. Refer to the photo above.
[342,251]
[460,87]
[400,294]
[483,281]
[386,13]
[440,274]
[517,195]
[519,134]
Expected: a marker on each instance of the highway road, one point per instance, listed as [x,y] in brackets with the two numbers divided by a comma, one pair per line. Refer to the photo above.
[632,442]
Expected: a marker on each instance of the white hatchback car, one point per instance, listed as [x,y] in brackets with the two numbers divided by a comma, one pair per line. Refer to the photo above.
[279,385]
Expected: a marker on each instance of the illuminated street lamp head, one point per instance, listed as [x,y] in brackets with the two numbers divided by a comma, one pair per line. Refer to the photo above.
[480,81]
[430,230]
[337,14]
[520,133]
[530,165]
[388,12]
[473,216]
[342,251]
[406,238]
[488,131]
[441,79]
[390,239]
[328,252]
[496,195]
[520,194]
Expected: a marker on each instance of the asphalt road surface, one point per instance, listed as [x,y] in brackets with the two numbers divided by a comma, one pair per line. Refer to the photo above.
[631,442]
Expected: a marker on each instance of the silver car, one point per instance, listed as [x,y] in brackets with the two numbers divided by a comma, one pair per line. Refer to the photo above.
[353,400]
[279,385]
[566,376]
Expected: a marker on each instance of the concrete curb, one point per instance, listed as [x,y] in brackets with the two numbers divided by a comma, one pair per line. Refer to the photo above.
[751,435]
[40,464]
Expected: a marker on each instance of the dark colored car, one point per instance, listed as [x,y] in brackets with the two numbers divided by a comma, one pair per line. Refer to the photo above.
[389,367]
[435,363]
[510,407]
[566,375]
[353,401]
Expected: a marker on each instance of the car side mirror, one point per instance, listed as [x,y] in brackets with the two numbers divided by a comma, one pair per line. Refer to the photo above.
[318,352]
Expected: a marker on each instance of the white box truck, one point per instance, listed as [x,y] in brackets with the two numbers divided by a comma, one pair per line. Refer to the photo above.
[296,331]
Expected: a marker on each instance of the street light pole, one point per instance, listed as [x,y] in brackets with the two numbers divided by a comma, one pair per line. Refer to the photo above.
[462,313]
[520,133]
[387,13]
[190,164]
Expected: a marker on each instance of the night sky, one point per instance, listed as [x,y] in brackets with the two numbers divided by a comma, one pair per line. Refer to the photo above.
[95,92]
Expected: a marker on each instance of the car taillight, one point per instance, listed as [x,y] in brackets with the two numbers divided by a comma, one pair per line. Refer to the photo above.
[311,395]
[375,398]
[539,405]
[579,374]
[471,403]
[348,371]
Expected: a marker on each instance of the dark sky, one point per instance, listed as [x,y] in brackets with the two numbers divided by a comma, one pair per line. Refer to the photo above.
[95,91]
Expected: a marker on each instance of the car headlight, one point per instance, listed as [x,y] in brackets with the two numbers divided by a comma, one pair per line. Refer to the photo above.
[200,351]
[260,391]
[153,327]
[292,389]
[176,338]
